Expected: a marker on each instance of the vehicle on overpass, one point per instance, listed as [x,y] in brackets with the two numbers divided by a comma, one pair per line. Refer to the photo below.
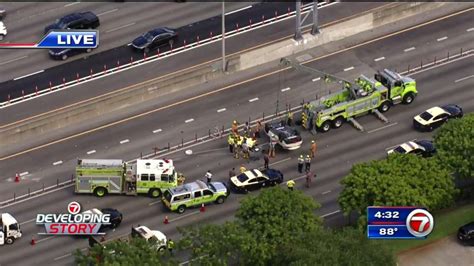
[424,148]
[364,96]
[105,176]
[154,38]
[287,137]
[194,194]
[79,21]
[154,237]
[255,179]
[9,229]
[436,116]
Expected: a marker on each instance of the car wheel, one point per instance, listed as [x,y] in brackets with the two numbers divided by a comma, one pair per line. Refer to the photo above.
[100,191]
[161,249]
[10,240]
[326,126]
[409,97]
[64,57]
[337,123]
[154,193]
[384,107]
[181,209]
[220,200]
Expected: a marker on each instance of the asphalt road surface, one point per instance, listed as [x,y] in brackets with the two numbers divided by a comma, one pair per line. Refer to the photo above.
[337,151]
[123,54]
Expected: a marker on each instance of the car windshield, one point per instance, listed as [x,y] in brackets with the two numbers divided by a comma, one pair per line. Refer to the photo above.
[148,36]
[167,196]
[426,116]
[212,187]
[400,149]
[242,177]
[60,23]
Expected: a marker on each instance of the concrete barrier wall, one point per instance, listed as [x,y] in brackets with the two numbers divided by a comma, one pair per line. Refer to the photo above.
[16,133]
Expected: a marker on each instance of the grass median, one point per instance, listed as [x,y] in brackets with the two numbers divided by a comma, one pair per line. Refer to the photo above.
[447,222]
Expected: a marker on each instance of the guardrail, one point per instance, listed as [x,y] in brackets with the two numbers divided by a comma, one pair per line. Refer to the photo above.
[63,84]
[221,132]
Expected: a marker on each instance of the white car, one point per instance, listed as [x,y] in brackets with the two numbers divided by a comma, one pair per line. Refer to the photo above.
[3,30]
[424,148]
[288,138]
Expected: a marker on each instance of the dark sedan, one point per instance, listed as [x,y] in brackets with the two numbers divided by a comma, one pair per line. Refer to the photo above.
[287,137]
[436,116]
[83,20]
[466,234]
[255,179]
[115,217]
[154,38]
[65,53]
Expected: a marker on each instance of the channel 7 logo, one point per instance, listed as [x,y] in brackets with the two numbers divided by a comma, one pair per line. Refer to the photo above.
[61,39]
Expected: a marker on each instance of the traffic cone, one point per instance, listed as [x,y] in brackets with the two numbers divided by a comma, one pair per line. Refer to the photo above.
[203,208]
[17,178]
[165,221]
[33,241]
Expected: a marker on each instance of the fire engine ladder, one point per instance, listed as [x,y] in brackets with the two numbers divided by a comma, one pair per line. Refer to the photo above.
[380,116]
[298,66]
[355,124]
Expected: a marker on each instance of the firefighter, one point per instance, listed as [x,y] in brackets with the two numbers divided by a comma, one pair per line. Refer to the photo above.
[266,160]
[313,148]
[257,129]
[181,179]
[290,184]
[235,127]
[230,141]
[289,119]
[272,147]
[300,163]
[245,150]
[242,168]
[307,163]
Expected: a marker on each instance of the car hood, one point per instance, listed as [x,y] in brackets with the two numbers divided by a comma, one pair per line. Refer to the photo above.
[140,41]
[220,187]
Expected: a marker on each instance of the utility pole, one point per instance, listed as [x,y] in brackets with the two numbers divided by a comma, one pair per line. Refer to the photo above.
[224,68]
[298,35]
[315,28]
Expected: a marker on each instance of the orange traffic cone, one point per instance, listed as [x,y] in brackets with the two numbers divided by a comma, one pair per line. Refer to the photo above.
[203,208]
[33,241]
[17,178]
[165,221]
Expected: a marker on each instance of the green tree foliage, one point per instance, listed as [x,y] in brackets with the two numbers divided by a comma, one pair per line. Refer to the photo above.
[455,144]
[400,180]
[137,251]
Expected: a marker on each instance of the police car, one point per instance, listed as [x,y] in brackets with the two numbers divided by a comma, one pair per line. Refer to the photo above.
[436,116]
[287,137]
[255,179]
[424,148]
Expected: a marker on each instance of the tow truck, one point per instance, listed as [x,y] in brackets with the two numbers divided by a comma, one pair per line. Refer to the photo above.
[9,229]
[358,98]
[110,176]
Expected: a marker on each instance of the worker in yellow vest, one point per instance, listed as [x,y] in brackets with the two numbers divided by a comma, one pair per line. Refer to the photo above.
[290,184]
[230,141]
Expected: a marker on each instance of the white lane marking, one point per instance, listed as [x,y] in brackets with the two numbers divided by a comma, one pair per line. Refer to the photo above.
[183,216]
[71,4]
[349,68]
[316,79]
[31,74]
[107,12]
[380,128]
[254,99]
[157,131]
[58,163]
[91,152]
[442,38]
[379,59]
[154,202]
[286,89]
[238,10]
[189,120]
[121,27]
[221,110]
[331,213]
[326,192]
[44,239]
[63,256]
[280,161]
[409,49]
[124,141]
[470,29]
[461,79]
[24,173]
[27,222]
[13,60]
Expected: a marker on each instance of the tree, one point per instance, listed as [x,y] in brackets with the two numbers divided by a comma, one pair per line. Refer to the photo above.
[455,145]
[137,250]
[400,180]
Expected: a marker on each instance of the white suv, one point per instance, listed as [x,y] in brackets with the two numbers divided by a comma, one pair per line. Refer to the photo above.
[3,30]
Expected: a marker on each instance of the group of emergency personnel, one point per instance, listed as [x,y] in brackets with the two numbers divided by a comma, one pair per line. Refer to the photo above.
[306,162]
[243,145]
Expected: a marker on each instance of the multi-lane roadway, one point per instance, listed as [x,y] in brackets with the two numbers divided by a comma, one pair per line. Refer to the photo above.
[446,83]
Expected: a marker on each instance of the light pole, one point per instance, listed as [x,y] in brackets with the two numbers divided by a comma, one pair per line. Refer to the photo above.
[224,68]
[298,35]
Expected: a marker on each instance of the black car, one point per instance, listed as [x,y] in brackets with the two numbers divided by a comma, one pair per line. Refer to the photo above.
[255,179]
[154,38]
[436,116]
[287,137]
[115,218]
[65,53]
[83,20]
[466,234]
[424,148]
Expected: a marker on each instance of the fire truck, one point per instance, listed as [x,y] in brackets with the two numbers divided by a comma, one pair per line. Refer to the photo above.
[361,97]
[108,176]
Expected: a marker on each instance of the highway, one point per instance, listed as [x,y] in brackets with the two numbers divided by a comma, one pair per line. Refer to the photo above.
[122,54]
[443,84]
